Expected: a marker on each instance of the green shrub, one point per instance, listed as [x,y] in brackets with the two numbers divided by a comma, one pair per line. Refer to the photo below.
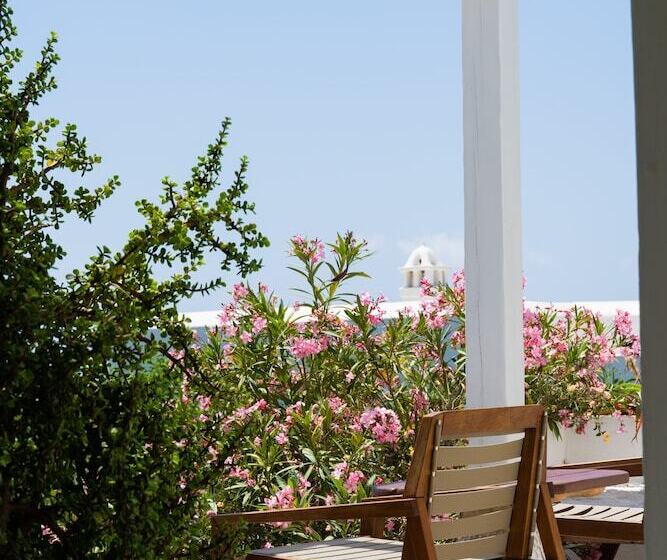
[90,412]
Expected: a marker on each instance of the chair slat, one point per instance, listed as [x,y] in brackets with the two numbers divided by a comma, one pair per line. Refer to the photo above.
[459,479]
[473,500]
[450,456]
[360,548]
[476,548]
[472,526]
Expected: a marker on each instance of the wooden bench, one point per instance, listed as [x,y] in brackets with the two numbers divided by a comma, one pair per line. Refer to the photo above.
[610,526]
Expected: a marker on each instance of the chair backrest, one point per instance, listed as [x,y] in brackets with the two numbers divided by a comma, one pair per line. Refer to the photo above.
[481,498]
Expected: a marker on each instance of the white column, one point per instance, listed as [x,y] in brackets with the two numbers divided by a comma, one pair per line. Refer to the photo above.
[649,22]
[493,271]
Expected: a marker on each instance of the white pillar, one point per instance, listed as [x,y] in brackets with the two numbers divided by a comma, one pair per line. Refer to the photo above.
[649,22]
[494,367]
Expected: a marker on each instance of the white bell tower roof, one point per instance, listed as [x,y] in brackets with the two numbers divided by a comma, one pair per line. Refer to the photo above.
[421,264]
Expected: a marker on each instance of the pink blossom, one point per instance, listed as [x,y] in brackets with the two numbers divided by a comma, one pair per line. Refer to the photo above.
[213,452]
[623,323]
[242,474]
[301,347]
[349,377]
[283,499]
[353,480]
[312,249]
[329,500]
[565,418]
[340,470]
[245,337]
[49,535]
[390,525]
[239,291]
[282,438]
[204,402]
[267,544]
[304,484]
[420,400]
[383,424]
[258,324]
[336,404]
[425,287]
[458,281]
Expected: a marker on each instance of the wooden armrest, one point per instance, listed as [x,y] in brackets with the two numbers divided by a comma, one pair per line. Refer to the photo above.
[403,507]
[632,465]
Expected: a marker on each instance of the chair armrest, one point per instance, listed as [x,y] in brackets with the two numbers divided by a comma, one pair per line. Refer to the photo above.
[632,465]
[403,507]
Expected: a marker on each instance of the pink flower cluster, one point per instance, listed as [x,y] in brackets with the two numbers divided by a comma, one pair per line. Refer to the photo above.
[282,499]
[242,474]
[382,423]
[352,478]
[312,249]
[373,309]
[533,346]
[242,413]
[302,347]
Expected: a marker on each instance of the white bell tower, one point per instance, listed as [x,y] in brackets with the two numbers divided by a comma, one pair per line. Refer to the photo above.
[422,263]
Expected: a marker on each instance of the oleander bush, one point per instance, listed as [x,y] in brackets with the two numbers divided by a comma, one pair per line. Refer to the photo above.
[323,396]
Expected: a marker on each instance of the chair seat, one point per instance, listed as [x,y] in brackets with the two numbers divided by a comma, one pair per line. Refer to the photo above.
[596,523]
[359,548]
[336,549]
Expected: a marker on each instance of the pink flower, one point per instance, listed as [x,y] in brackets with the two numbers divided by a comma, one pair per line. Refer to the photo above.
[267,544]
[458,281]
[623,323]
[353,480]
[420,400]
[282,438]
[340,470]
[390,525]
[336,404]
[304,484]
[239,291]
[311,249]
[49,535]
[258,324]
[204,402]
[349,377]
[245,337]
[329,500]
[283,499]
[383,424]
[213,452]
[301,347]
[425,288]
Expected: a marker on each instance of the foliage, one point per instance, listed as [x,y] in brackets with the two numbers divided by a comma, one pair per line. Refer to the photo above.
[327,393]
[89,410]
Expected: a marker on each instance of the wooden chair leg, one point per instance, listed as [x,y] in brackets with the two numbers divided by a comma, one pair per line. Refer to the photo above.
[372,527]
[418,543]
[547,526]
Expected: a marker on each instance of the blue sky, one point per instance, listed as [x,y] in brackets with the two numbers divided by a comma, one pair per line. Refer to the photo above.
[350,113]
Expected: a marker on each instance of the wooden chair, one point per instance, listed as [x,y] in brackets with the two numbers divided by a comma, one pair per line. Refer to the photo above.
[610,526]
[460,501]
